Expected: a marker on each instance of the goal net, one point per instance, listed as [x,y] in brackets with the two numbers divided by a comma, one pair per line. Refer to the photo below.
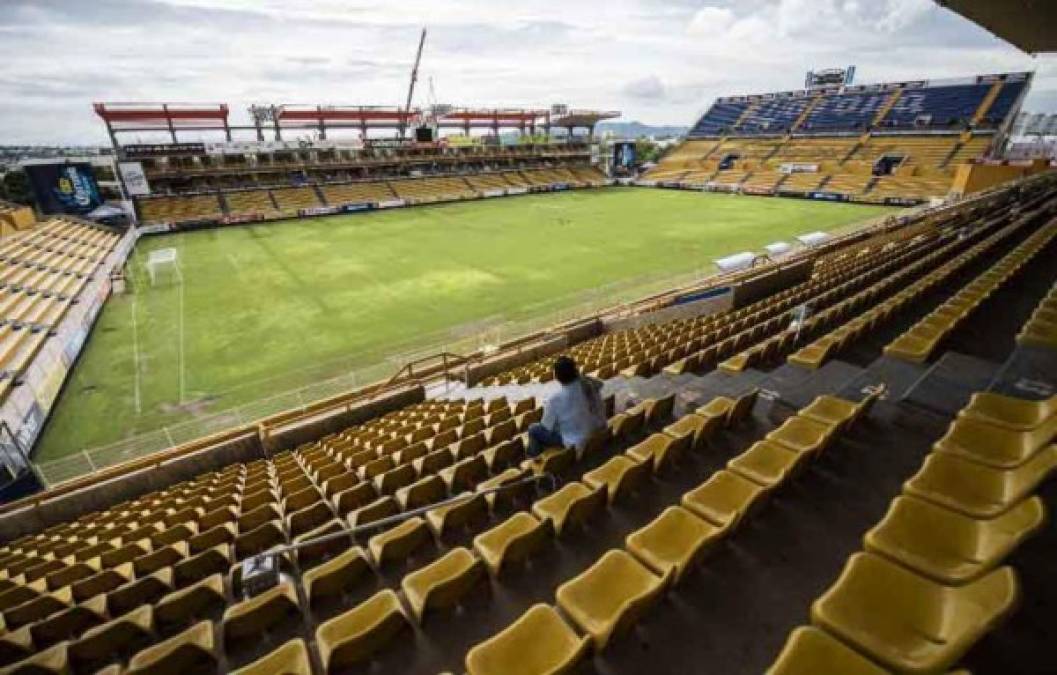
[163,266]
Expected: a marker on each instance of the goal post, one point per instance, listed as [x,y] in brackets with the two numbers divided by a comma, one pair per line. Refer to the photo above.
[163,264]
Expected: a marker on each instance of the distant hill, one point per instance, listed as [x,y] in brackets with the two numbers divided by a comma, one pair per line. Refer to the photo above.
[636,129]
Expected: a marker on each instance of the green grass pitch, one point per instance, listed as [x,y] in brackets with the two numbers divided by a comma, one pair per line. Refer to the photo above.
[272,307]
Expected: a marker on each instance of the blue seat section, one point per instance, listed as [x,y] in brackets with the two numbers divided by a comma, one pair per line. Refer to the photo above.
[774,116]
[1003,103]
[851,111]
[938,107]
[719,119]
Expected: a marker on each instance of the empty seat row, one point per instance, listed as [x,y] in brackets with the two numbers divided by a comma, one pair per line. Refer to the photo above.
[930,583]
[919,342]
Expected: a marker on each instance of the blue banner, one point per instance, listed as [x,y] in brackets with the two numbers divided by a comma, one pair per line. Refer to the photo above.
[67,188]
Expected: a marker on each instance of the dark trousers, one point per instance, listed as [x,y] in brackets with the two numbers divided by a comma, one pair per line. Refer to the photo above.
[540,438]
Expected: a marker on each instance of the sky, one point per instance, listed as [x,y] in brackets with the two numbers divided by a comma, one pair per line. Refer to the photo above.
[659,62]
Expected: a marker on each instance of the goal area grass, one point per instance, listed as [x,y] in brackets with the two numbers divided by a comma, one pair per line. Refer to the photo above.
[258,310]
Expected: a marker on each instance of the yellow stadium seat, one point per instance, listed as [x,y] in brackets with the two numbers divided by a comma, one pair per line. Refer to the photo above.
[610,595]
[442,583]
[336,575]
[701,430]
[424,491]
[504,454]
[350,499]
[574,503]
[976,490]
[38,608]
[539,641]
[182,607]
[16,645]
[620,477]
[354,636]
[995,446]
[55,659]
[68,623]
[470,510]
[260,613]
[724,499]
[659,450]
[101,645]
[206,563]
[838,412]
[145,590]
[803,436]
[766,463]
[289,659]
[731,411]
[810,651]
[1009,412]
[673,541]
[947,546]
[399,541]
[908,622]
[554,461]
[383,507]
[512,493]
[190,651]
[513,540]
[259,539]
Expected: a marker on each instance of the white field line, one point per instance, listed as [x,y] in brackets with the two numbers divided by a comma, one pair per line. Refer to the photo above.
[135,354]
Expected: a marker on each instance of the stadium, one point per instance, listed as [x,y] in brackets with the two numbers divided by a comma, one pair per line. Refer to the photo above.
[273,380]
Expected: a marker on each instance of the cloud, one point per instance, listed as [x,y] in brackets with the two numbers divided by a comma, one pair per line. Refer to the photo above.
[710,21]
[647,88]
[659,61]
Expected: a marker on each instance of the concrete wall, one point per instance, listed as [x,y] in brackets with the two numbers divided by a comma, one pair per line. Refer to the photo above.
[751,290]
[976,177]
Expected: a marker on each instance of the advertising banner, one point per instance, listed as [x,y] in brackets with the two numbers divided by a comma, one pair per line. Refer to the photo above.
[624,155]
[356,206]
[135,180]
[318,210]
[162,149]
[829,196]
[64,188]
[392,203]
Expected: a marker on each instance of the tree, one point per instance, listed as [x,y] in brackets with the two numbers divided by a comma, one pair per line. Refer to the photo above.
[14,187]
[646,150]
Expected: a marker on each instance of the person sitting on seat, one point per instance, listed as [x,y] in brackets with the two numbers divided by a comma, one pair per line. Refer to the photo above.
[572,414]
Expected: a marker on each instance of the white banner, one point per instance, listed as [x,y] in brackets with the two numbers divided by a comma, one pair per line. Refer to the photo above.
[135,180]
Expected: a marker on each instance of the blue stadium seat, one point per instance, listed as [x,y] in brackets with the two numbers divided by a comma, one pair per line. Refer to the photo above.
[845,112]
[774,116]
[719,119]
[938,107]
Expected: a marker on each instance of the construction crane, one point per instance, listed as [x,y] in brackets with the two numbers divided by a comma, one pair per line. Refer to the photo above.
[411,86]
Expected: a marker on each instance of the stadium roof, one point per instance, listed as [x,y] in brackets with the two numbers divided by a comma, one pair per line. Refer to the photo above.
[1030,25]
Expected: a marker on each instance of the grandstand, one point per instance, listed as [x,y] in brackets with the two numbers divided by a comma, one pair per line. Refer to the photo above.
[200,184]
[897,143]
[412,534]
[828,441]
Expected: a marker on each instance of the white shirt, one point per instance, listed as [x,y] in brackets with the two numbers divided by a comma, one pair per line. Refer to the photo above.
[575,411]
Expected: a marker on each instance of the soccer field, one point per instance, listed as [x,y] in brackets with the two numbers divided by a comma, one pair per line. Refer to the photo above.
[268,308]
